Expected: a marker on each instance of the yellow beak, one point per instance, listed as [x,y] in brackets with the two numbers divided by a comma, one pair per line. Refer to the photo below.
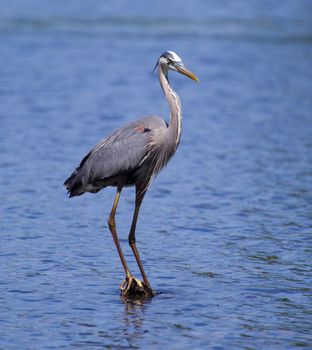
[187,73]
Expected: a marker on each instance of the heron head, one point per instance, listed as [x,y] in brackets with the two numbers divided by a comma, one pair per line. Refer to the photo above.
[169,60]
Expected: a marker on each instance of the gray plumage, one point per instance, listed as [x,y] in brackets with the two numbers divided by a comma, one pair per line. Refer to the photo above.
[127,155]
[131,156]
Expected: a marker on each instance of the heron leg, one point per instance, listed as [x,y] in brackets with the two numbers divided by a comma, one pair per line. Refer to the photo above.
[112,228]
[138,201]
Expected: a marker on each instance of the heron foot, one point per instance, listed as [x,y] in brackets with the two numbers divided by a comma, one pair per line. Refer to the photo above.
[132,287]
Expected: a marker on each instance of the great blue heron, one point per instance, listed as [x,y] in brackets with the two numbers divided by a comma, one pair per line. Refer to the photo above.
[131,156]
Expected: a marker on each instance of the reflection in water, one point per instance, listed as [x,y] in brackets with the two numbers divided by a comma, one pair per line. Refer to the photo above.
[134,311]
[134,317]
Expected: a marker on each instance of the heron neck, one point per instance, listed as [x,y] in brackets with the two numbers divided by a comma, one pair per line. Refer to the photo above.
[175,124]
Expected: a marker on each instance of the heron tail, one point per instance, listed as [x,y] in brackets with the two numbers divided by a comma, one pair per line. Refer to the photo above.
[74,184]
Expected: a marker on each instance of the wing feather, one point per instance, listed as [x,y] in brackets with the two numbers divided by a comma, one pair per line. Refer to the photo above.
[122,152]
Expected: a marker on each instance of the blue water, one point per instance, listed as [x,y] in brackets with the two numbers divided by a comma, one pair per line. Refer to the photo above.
[224,231]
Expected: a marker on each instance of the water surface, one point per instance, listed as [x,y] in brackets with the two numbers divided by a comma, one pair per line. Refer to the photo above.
[225,230]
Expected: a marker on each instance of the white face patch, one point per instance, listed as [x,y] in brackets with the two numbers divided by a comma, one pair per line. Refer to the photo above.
[163,60]
[176,58]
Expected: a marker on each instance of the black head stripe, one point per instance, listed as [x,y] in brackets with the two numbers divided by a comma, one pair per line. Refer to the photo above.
[167,55]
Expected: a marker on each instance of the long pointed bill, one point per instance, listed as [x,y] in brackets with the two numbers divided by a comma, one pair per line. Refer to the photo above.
[187,73]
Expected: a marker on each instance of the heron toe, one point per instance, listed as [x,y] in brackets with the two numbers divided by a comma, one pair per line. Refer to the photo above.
[132,287]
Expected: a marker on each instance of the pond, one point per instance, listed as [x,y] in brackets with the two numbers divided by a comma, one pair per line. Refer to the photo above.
[224,231]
